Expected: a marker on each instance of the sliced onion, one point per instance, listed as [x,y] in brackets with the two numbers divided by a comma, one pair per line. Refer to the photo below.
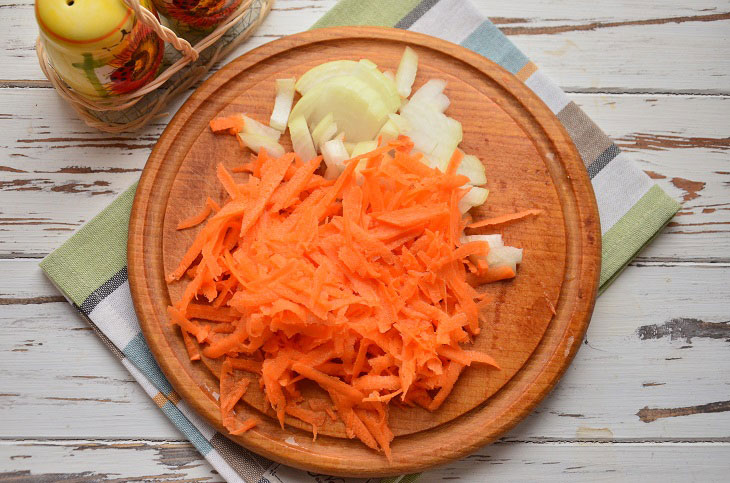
[448,140]
[499,255]
[389,74]
[335,154]
[350,147]
[504,256]
[434,163]
[252,126]
[472,168]
[301,139]
[282,103]
[256,142]
[358,109]
[363,147]
[324,131]
[432,92]
[432,132]
[400,121]
[406,73]
[365,70]
[476,196]
[493,240]
[388,132]
[368,63]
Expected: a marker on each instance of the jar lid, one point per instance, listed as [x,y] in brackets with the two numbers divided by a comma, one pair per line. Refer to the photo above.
[81,21]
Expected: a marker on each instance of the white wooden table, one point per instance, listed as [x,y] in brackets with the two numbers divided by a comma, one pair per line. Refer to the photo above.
[648,396]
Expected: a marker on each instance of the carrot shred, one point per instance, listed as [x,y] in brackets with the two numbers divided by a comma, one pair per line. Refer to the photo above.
[359,285]
[500,220]
[231,124]
[237,427]
[196,219]
[190,346]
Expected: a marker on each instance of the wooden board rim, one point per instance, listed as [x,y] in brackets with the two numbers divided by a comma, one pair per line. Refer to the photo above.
[532,382]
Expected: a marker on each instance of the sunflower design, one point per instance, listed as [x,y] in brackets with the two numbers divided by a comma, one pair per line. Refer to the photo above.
[137,63]
[198,13]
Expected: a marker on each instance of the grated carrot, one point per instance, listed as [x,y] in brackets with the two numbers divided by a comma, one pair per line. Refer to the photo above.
[230,124]
[359,285]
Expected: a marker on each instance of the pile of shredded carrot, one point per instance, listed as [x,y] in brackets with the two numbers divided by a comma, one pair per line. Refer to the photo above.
[358,284]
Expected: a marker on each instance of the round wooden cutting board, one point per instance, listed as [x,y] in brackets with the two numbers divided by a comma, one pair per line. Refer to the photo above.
[538,320]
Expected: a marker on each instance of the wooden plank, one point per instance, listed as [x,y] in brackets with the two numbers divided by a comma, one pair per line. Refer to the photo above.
[658,340]
[621,370]
[582,46]
[91,461]
[686,153]
[588,462]
[103,460]
[55,173]
[51,363]
[23,282]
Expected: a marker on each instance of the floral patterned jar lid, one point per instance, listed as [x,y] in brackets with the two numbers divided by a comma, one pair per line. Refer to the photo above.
[82,21]
[98,47]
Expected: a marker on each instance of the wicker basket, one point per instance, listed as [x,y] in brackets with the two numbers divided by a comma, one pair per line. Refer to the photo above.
[182,66]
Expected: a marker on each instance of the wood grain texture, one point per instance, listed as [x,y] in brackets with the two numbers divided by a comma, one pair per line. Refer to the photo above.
[522,135]
[85,461]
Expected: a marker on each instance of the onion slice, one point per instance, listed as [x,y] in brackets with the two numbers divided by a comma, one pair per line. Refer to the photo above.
[406,73]
[472,168]
[334,154]
[256,142]
[324,131]
[301,139]
[252,126]
[282,104]
[476,196]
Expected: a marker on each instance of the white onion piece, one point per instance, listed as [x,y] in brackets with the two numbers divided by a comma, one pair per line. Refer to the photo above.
[504,256]
[499,255]
[335,154]
[476,196]
[282,103]
[434,163]
[363,147]
[256,142]
[432,92]
[406,73]
[400,121]
[365,70]
[350,147]
[440,102]
[388,132]
[359,110]
[493,240]
[472,168]
[324,131]
[252,126]
[389,74]
[368,63]
[301,139]
[432,132]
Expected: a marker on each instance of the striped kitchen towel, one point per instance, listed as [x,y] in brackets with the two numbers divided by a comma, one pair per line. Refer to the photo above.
[90,269]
